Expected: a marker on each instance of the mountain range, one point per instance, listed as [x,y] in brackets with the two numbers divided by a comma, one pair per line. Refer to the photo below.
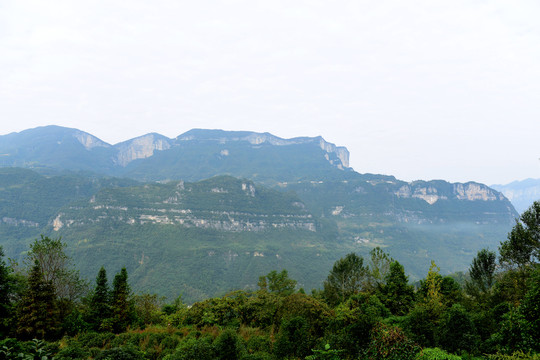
[211,210]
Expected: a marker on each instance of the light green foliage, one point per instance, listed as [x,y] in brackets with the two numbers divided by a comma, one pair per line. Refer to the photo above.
[436,354]
[433,298]
[327,354]
[277,283]
[378,268]
[516,355]
[57,267]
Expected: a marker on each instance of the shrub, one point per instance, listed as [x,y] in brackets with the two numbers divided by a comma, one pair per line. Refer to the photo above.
[228,346]
[456,330]
[389,342]
[293,339]
[435,354]
[121,353]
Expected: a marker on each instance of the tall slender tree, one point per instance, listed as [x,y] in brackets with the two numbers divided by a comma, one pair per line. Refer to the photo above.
[121,302]
[396,293]
[100,308]
[5,291]
[37,312]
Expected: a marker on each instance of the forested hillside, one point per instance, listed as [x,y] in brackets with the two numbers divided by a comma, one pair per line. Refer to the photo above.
[365,309]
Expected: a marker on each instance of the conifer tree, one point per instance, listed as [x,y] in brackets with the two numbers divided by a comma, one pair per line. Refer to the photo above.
[100,309]
[121,304]
[5,290]
[397,294]
[37,313]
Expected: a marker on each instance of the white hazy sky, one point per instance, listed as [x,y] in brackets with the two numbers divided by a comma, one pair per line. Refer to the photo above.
[417,89]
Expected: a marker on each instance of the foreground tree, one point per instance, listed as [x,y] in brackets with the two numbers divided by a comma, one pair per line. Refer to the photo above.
[56,267]
[347,277]
[522,247]
[482,273]
[37,312]
[99,308]
[397,295]
[121,302]
[277,283]
[5,292]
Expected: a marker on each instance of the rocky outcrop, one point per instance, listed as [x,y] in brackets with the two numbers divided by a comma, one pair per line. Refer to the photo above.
[431,194]
[89,141]
[474,191]
[140,148]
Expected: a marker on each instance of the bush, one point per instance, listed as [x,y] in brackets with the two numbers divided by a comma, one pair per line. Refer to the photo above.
[259,344]
[389,342]
[121,353]
[456,330]
[93,339]
[436,354]
[228,346]
[73,351]
[193,349]
[293,339]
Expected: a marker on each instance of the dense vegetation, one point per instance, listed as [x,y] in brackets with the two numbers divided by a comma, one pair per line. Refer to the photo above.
[206,238]
[366,309]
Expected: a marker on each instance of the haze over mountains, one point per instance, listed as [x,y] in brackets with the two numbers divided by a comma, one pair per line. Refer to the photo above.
[213,210]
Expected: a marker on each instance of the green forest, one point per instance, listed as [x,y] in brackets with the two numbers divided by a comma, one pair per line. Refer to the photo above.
[365,309]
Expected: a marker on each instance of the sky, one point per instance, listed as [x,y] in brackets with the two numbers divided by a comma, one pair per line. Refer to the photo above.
[416,89]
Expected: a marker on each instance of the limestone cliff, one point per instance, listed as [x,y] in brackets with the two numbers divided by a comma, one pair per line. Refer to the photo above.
[140,148]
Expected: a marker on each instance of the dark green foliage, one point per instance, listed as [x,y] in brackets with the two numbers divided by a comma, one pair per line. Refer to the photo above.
[315,312]
[99,308]
[523,244]
[96,340]
[72,351]
[388,342]
[347,277]
[228,346]
[421,324]
[121,302]
[6,288]
[530,309]
[194,349]
[293,339]
[259,344]
[456,330]
[121,353]
[351,326]
[482,272]
[397,295]
[37,315]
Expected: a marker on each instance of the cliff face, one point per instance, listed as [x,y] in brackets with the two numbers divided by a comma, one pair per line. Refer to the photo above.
[223,137]
[430,193]
[140,148]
